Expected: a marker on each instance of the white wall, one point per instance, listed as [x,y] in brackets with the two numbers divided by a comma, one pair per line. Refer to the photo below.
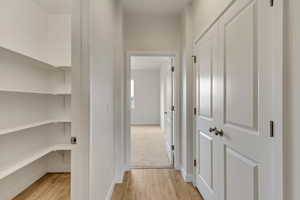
[147,97]
[97,61]
[103,48]
[24,27]
[187,93]
[152,33]
[120,100]
[59,39]
[29,29]
[292,99]
[80,165]
[205,13]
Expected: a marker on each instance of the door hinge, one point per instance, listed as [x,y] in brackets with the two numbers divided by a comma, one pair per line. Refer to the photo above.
[271,3]
[173,108]
[172,147]
[73,140]
[195,163]
[271,128]
[173,69]
[194,59]
[195,111]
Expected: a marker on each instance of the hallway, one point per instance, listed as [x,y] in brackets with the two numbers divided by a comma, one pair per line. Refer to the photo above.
[148,148]
[154,184]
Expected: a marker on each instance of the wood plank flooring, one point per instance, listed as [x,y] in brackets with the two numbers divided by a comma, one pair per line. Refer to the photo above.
[49,187]
[139,184]
[155,184]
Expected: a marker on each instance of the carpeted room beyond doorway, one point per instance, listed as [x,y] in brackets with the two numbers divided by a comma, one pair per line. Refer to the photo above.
[148,148]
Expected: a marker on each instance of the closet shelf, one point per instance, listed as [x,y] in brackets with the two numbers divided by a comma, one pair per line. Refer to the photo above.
[43,62]
[37,92]
[64,67]
[4,172]
[33,125]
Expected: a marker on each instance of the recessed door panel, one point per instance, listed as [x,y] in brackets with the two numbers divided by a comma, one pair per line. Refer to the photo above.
[205,81]
[241,82]
[241,177]
[206,159]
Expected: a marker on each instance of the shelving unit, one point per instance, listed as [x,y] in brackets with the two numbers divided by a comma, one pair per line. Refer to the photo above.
[44,63]
[35,93]
[8,170]
[33,125]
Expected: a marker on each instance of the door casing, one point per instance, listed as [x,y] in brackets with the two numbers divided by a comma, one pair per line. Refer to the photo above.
[176,120]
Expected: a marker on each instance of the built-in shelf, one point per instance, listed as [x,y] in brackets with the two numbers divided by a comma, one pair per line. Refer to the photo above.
[8,170]
[64,67]
[37,92]
[33,125]
[45,63]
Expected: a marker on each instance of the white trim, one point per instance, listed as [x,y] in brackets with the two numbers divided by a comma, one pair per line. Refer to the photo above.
[279,192]
[117,180]
[110,191]
[177,117]
[120,177]
[168,148]
[188,178]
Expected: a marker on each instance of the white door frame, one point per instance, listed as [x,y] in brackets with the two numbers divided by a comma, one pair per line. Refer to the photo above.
[176,131]
[279,173]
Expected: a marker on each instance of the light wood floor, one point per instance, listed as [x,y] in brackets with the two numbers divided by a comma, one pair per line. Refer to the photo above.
[155,184]
[140,184]
[49,187]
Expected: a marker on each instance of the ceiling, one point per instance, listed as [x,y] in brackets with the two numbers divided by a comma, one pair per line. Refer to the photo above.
[56,6]
[149,62]
[155,7]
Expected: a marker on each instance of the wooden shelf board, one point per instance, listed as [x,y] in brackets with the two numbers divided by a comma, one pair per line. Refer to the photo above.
[4,172]
[64,67]
[46,63]
[33,125]
[36,92]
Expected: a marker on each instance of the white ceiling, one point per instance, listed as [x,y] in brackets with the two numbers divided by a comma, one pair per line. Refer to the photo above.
[56,6]
[156,7]
[149,62]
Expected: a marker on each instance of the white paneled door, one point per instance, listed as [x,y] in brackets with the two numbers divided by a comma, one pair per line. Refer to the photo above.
[169,111]
[207,115]
[234,92]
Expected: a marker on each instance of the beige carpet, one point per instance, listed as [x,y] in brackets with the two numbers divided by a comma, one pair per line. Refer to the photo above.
[148,147]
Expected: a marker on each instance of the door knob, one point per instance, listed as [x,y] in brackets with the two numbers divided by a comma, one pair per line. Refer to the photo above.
[219,132]
[212,129]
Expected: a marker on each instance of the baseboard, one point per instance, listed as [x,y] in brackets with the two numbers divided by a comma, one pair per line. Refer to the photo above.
[119,177]
[186,177]
[110,191]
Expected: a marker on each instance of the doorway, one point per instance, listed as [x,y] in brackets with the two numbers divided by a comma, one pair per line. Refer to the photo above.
[151,138]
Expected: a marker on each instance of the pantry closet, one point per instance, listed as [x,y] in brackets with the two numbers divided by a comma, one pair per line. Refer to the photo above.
[35,92]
